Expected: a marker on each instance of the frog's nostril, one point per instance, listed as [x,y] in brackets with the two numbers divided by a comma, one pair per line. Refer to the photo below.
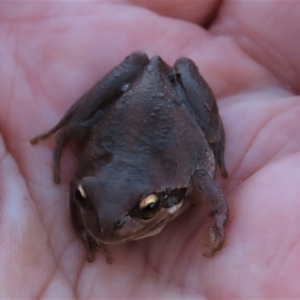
[119,224]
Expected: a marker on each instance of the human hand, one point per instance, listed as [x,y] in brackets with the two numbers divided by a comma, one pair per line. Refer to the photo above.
[52,52]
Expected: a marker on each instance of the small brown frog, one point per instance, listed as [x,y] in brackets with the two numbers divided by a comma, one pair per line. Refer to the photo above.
[148,138]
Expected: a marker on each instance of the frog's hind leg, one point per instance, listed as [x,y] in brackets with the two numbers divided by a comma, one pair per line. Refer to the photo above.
[75,133]
[88,109]
[201,103]
[54,129]
[43,136]
[206,190]
[218,147]
[60,142]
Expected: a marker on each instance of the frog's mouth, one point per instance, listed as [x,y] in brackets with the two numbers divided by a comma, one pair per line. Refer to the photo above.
[158,225]
[146,229]
[157,228]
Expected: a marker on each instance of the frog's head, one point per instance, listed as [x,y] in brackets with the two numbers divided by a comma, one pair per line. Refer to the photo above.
[120,204]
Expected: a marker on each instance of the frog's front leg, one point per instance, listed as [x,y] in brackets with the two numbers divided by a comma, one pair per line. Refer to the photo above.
[204,188]
[86,111]
[88,241]
[203,107]
[78,133]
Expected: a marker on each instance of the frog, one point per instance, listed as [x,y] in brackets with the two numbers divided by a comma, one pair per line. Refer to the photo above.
[148,139]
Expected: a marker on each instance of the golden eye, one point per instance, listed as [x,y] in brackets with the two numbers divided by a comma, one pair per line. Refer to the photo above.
[149,206]
[148,201]
[80,196]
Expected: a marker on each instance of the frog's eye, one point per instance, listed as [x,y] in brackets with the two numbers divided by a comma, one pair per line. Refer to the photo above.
[80,196]
[149,206]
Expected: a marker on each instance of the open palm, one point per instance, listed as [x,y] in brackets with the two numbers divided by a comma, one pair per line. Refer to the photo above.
[53,52]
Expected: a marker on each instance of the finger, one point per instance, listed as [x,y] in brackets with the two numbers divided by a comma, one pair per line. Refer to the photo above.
[193,11]
[268,31]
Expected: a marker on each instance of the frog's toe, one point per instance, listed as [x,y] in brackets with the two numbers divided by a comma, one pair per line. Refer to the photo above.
[217,239]
[224,173]
[89,256]
[103,249]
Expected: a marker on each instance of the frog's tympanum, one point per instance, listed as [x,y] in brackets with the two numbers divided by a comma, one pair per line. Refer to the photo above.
[147,138]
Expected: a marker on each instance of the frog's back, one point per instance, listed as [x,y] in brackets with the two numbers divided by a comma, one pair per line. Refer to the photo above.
[150,121]
[146,112]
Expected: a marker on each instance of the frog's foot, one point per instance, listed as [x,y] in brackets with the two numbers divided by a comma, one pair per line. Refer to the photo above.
[217,238]
[89,243]
[103,249]
[207,190]
[41,137]
[216,230]
[61,140]
[222,168]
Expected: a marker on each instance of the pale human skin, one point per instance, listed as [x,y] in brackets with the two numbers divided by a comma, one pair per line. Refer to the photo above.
[53,52]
